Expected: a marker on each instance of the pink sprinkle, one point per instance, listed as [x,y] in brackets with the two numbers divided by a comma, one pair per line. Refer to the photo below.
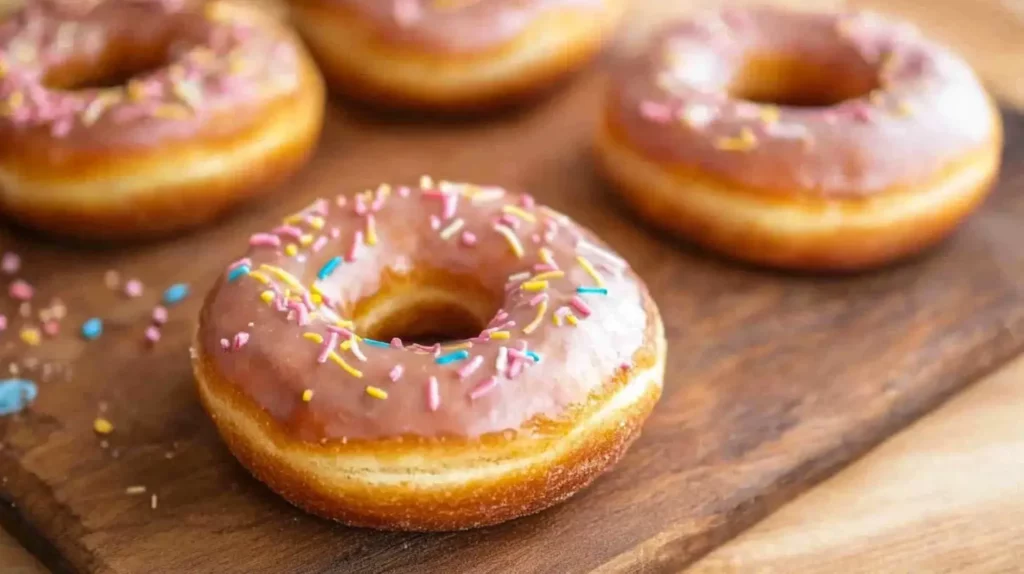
[20,290]
[340,201]
[501,363]
[159,315]
[435,222]
[470,367]
[404,191]
[396,373]
[152,334]
[264,240]
[281,302]
[329,344]
[517,354]
[239,263]
[241,338]
[307,300]
[538,298]
[483,388]
[288,231]
[133,288]
[656,112]
[319,243]
[225,344]
[10,263]
[501,315]
[3,322]
[526,200]
[340,330]
[580,306]
[515,368]
[378,202]
[468,238]
[301,313]
[433,394]
[353,250]
[433,193]
[51,328]
[509,220]
[397,343]
[335,232]
[360,206]
[536,238]
[625,365]
[451,205]
[319,207]
[542,267]
[562,312]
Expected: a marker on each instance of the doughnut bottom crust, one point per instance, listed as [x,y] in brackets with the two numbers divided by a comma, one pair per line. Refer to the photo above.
[787,231]
[154,191]
[438,485]
[359,63]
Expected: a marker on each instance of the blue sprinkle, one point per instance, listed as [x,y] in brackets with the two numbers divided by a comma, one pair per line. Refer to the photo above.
[92,328]
[175,293]
[328,268]
[597,290]
[533,355]
[237,272]
[375,343]
[16,394]
[459,355]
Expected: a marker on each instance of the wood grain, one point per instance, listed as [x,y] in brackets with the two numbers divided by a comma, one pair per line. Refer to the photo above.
[775,380]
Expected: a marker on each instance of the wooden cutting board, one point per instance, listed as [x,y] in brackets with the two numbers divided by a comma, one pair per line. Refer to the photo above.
[773,380]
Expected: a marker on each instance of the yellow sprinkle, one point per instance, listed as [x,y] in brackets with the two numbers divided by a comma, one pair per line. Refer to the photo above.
[267,296]
[172,112]
[189,93]
[426,182]
[305,239]
[520,213]
[743,142]
[344,323]
[541,310]
[293,219]
[341,363]
[102,426]
[535,285]
[345,345]
[316,298]
[30,336]
[316,222]
[572,319]
[457,346]
[291,250]
[283,275]
[546,256]
[307,395]
[511,239]
[376,392]
[261,277]
[452,229]
[315,337]
[500,335]
[769,114]
[904,109]
[589,268]
[556,319]
[371,231]
[384,189]
[556,274]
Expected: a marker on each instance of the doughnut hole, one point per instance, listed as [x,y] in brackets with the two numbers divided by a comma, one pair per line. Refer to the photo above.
[115,66]
[427,306]
[786,80]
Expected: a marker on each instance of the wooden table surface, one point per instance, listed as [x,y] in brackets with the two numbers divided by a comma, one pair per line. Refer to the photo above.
[946,494]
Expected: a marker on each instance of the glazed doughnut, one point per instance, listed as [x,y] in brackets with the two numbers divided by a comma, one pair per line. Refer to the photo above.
[812,141]
[451,55]
[552,357]
[221,102]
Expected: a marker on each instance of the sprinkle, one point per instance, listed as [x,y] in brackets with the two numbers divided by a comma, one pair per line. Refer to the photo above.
[589,268]
[396,373]
[547,257]
[500,335]
[554,274]
[376,392]
[102,426]
[541,310]
[769,114]
[353,251]
[375,343]
[131,490]
[572,319]
[483,388]
[152,334]
[426,182]
[264,240]
[745,141]
[459,355]
[520,213]
[315,337]
[16,395]
[92,328]
[233,275]
[152,502]
[240,339]
[316,222]
[580,306]
[3,322]
[594,290]
[457,346]
[450,204]
[354,345]
[328,268]
[533,355]
[433,394]
[452,229]
[521,276]
[534,285]
[260,276]
[159,315]
[332,341]
[291,250]
[435,222]
[538,299]
[371,230]
[656,112]
[301,312]
[307,395]
[527,201]
[348,368]
[11,263]
[397,343]
[489,194]
[319,243]
[20,290]
[510,220]
[501,362]
[267,296]
[904,109]
[470,367]
[133,288]
[175,293]
[283,275]
[468,238]
[51,328]
[511,239]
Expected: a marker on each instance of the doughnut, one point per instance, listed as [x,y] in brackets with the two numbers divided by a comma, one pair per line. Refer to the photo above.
[433,358]
[451,55]
[124,119]
[803,141]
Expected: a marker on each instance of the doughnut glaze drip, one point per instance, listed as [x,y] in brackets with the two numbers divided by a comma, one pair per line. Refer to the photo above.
[217,56]
[285,320]
[923,107]
[456,25]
